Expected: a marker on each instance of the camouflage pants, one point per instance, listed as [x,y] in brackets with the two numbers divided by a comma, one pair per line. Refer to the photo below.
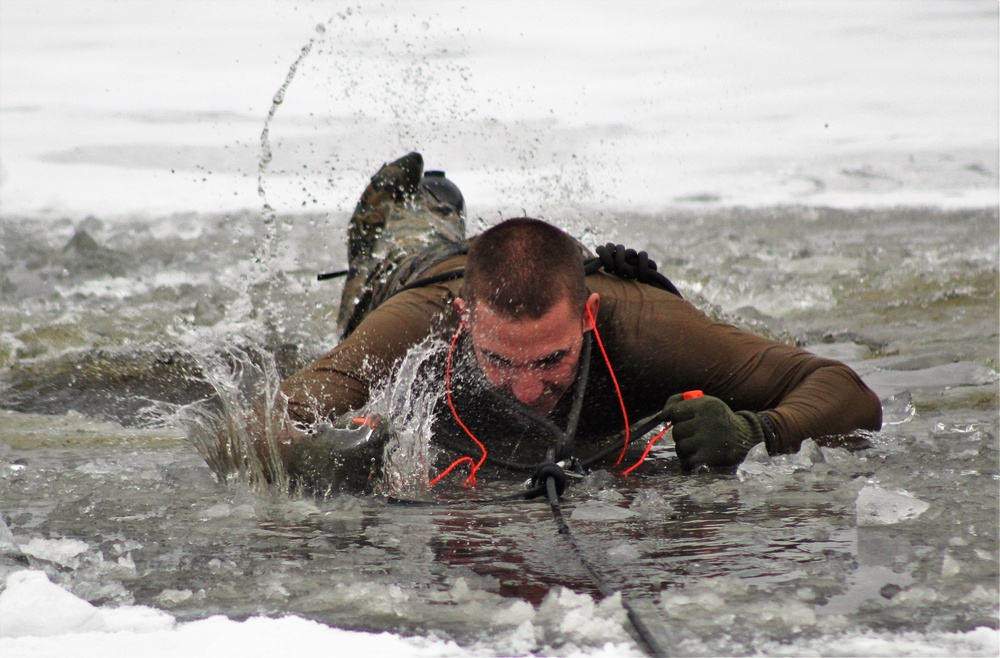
[397,232]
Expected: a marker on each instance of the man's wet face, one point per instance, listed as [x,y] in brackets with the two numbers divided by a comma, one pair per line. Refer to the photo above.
[534,361]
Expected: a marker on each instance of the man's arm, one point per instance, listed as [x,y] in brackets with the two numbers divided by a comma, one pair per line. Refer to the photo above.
[671,347]
[342,379]
[803,395]
[831,400]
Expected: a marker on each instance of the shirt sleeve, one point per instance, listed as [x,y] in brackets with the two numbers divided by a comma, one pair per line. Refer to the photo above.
[342,379]
[668,346]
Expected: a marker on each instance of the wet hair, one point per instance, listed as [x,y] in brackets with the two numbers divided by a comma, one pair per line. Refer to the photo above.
[521,268]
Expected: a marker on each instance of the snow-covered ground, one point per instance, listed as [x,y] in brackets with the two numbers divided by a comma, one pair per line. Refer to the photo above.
[111,108]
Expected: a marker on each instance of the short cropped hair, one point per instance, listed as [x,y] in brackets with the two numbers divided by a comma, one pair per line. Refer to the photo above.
[521,268]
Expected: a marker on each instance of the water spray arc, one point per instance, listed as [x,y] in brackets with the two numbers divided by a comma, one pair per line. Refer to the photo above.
[266,247]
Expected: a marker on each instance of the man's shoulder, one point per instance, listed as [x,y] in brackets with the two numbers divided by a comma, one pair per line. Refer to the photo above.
[629,293]
[450,264]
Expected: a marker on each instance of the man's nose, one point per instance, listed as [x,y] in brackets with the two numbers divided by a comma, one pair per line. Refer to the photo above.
[526,386]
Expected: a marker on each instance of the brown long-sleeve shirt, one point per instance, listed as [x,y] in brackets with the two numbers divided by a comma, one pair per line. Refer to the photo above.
[657,344]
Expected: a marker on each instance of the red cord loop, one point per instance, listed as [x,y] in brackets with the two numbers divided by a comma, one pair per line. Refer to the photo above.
[470,481]
[450,468]
[645,453]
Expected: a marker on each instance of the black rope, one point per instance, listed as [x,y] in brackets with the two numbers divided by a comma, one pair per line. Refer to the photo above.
[645,635]
[637,430]
[555,481]
[565,446]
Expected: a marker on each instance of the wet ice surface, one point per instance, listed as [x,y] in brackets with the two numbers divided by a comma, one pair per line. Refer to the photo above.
[821,551]
[815,552]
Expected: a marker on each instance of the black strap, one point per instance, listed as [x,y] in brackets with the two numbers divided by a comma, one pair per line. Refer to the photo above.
[450,275]
[326,276]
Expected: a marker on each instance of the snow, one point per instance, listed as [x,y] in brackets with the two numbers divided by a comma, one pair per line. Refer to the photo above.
[31,605]
[119,108]
[39,618]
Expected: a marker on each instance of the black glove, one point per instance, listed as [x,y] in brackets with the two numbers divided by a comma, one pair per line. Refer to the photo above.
[629,264]
[344,456]
[706,431]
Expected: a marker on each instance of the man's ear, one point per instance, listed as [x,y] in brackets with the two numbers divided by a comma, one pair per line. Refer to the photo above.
[461,307]
[590,311]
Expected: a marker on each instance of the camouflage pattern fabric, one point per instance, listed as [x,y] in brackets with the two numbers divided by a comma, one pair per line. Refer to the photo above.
[402,226]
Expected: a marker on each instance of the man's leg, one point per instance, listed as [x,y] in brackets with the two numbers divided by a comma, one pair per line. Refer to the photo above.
[402,221]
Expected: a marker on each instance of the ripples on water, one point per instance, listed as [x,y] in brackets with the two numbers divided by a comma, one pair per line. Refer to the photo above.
[114,338]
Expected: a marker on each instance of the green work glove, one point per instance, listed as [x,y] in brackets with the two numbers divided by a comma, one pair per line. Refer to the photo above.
[706,431]
[343,456]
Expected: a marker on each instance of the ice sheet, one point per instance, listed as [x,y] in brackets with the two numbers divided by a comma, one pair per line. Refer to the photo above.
[113,108]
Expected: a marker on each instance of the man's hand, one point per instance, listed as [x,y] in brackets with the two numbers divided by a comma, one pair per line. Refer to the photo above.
[343,456]
[706,431]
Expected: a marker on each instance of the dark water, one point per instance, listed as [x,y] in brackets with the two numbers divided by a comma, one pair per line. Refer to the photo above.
[109,332]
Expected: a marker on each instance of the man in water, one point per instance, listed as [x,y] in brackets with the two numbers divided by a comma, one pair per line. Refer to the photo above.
[546,361]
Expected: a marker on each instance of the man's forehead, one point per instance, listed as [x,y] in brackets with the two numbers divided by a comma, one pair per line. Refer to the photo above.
[560,317]
[528,338]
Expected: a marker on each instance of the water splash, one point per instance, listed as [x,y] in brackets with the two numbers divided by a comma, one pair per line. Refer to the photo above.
[408,403]
[264,253]
[228,430]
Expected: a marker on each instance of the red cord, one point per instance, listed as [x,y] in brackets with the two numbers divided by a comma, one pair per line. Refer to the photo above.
[474,466]
[645,452]
[470,481]
[449,469]
[614,380]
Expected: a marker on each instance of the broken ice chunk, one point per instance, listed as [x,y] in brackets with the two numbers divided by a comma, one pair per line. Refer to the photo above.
[877,506]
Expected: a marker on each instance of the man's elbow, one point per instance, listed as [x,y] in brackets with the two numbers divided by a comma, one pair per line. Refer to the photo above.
[872,411]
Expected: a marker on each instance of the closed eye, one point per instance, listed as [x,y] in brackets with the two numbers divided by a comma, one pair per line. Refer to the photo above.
[551,360]
[496,360]
[548,361]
